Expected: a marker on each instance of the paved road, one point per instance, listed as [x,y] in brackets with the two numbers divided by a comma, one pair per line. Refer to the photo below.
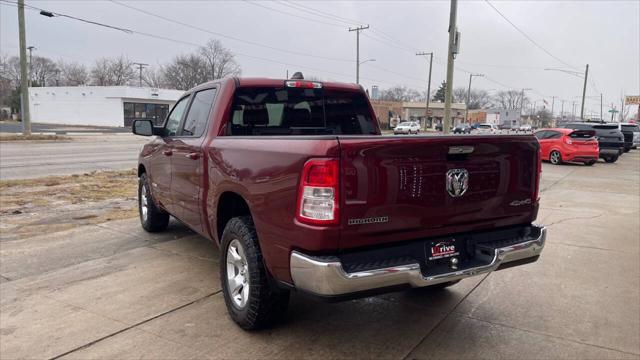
[16,127]
[114,291]
[32,159]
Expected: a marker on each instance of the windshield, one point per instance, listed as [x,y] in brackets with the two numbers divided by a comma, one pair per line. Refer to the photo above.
[297,111]
[404,124]
[634,128]
[483,126]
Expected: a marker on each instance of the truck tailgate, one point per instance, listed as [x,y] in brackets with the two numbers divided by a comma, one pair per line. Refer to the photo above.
[395,189]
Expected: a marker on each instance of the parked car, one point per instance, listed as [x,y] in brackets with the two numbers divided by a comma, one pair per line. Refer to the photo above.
[561,145]
[635,129]
[610,138]
[294,182]
[462,129]
[407,127]
[486,129]
[525,127]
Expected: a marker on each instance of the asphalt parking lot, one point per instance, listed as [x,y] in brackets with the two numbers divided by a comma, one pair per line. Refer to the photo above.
[113,291]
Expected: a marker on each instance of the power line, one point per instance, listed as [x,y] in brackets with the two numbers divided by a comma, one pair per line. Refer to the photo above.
[227,36]
[291,14]
[527,36]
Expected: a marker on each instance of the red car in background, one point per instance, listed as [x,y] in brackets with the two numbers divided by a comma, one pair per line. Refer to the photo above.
[560,145]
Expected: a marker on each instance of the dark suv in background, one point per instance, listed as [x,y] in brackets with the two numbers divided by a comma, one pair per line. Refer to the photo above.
[631,134]
[610,139]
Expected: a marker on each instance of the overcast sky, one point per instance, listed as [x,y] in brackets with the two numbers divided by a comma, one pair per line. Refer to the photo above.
[604,34]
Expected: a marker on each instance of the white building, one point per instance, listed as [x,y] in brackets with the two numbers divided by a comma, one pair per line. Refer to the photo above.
[100,105]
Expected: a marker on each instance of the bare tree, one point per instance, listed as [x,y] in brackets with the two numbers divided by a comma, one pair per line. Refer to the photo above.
[401,93]
[510,99]
[43,70]
[72,74]
[113,71]
[478,98]
[154,77]
[220,61]
[186,71]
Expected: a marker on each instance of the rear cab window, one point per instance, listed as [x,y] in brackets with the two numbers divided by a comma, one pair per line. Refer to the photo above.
[258,111]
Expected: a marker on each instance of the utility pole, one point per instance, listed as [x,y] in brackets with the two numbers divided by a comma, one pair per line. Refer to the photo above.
[522,103]
[30,48]
[426,111]
[601,116]
[466,111]
[573,111]
[140,66]
[562,111]
[24,86]
[357,30]
[613,111]
[584,91]
[622,109]
[450,58]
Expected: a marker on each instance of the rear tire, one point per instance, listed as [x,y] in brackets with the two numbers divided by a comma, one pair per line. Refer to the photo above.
[252,300]
[152,218]
[590,163]
[611,159]
[555,157]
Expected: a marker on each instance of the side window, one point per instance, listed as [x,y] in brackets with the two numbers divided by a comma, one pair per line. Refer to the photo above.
[540,135]
[198,114]
[173,121]
[553,135]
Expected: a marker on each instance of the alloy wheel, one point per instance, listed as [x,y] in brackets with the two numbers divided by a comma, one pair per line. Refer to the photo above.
[237,274]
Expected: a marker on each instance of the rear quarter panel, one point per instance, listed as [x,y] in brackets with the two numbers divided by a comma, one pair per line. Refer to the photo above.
[265,171]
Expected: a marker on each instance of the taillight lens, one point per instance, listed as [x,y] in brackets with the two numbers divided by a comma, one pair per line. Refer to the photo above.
[536,190]
[318,192]
[567,140]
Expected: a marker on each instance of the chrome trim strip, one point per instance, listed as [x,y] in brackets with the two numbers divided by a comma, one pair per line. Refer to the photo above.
[329,278]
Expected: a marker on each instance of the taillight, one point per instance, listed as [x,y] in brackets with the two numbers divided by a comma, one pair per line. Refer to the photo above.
[304,84]
[536,190]
[567,140]
[318,192]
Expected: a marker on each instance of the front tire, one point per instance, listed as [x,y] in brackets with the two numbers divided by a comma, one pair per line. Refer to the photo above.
[590,163]
[253,302]
[611,159]
[555,157]
[152,218]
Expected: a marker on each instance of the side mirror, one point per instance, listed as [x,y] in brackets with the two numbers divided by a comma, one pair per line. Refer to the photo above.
[143,127]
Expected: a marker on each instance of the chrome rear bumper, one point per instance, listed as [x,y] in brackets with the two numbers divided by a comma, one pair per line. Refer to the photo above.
[328,278]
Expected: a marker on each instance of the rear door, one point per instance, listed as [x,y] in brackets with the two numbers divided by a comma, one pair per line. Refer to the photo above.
[410,188]
[187,163]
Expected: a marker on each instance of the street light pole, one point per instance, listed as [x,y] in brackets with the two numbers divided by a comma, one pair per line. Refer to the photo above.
[601,116]
[357,30]
[24,86]
[466,111]
[584,91]
[30,48]
[426,111]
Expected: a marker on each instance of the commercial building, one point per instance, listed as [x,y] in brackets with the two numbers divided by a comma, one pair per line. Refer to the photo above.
[415,111]
[100,105]
[387,112]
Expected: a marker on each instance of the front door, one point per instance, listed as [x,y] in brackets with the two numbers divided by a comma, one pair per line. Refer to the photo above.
[187,164]
[160,159]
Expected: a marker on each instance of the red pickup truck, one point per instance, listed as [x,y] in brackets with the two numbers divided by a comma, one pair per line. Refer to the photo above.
[295,183]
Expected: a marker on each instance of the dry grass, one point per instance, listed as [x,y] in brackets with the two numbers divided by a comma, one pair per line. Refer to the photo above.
[31,207]
[33,137]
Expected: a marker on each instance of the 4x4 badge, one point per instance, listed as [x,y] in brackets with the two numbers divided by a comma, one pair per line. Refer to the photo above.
[457,182]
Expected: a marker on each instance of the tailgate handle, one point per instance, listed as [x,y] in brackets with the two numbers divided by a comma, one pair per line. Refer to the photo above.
[460,149]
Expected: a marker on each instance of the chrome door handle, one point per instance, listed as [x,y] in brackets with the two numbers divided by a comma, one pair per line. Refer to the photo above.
[193,156]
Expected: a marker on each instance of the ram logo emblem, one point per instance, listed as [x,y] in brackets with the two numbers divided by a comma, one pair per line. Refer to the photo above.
[457,182]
